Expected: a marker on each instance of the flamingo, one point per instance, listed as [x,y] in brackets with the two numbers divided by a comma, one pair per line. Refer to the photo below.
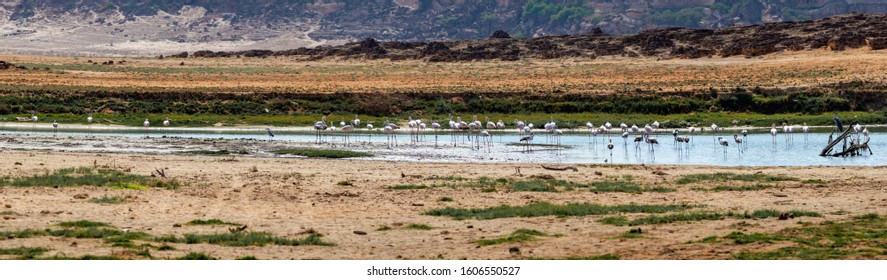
[500,125]
[436,127]
[623,126]
[608,126]
[34,119]
[655,126]
[651,140]
[610,147]
[805,129]
[89,122]
[557,134]
[165,125]
[55,127]
[486,135]
[389,131]
[738,140]
[691,131]
[634,128]
[369,132]
[625,137]
[714,129]
[674,133]
[589,126]
[526,139]
[683,139]
[346,131]
[773,132]
[270,133]
[724,143]
[413,126]
[146,124]
[319,126]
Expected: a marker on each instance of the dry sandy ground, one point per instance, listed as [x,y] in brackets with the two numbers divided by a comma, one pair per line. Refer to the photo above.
[603,75]
[289,196]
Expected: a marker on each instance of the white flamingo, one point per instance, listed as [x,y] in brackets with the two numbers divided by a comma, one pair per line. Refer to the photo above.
[773,132]
[55,127]
[370,132]
[346,133]
[89,122]
[738,139]
[724,143]
[146,124]
[805,129]
[319,127]
[165,125]
[436,127]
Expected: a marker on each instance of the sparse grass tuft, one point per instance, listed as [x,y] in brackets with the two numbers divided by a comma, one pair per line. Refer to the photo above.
[712,216]
[196,256]
[445,199]
[624,186]
[108,200]
[857,238]
[407,187]
[383,228]
[756,187]
[521,235]
[247,258]
[418,227]
[212,222]
[344,183]
[218,153]
[726,176]
[24,253]
[241,239]
[87,176]
[313,153]
[582,258]
[538,209]
[614,220]
[83,224]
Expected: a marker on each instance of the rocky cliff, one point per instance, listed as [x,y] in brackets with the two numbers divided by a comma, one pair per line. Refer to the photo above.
[143,27]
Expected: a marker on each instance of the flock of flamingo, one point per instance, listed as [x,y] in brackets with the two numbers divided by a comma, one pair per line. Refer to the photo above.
[479,134]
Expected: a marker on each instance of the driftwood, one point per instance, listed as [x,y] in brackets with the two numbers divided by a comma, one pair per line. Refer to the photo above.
[160,172]
[565,168]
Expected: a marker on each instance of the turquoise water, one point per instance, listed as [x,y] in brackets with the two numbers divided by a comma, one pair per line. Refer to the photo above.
[758,149]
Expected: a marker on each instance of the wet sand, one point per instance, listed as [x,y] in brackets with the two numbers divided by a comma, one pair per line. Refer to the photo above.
[287,196]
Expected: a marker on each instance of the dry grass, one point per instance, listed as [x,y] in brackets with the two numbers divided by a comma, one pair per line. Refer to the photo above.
[809,68]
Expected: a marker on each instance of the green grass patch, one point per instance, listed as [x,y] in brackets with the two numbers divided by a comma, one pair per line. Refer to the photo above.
[814,181]
[418,227]
[445,199]
[25,253]
[218,153]
[344,183]
[241,239]
[212,222]
[407,187]
[383,228]
[709,216]
[539,209]
[521,235]
[82,258]
[87,176]
[633,233]
[861,237]
[614,220]
[83,224]
[165,247]
[582,258]
[726,176]
[8,213]
[625,186]
[108,200]
[722,188]
[316,153]
[196,256]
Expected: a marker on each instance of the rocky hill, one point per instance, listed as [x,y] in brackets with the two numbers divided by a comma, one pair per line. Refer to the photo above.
[149,27]
[834,33]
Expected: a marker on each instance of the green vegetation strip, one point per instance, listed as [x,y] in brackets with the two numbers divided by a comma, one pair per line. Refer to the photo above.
[24,253]
[622,186]
[726,176]
[539,209]
[241,239]
[701,216]
[582,258]
[87,176]
[108,200]
[756,187]
[211,222]
[861,237]
[118,238]
[313,153]
[521,235]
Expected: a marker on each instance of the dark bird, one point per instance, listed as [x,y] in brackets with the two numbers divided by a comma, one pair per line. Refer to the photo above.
[270,132]
[839,124]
